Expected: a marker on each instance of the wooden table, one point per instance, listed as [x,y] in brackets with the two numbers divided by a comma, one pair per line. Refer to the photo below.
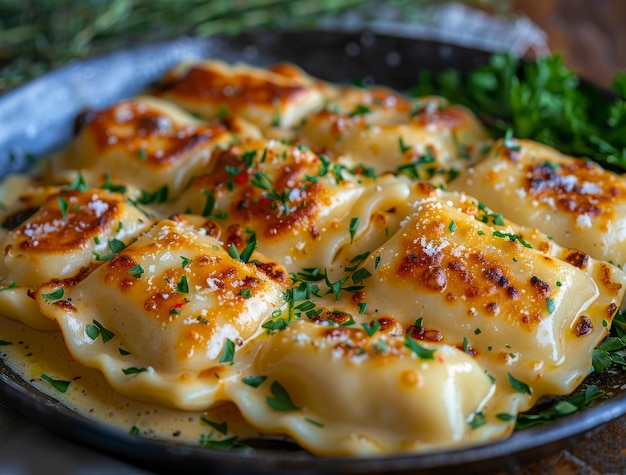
[591,36]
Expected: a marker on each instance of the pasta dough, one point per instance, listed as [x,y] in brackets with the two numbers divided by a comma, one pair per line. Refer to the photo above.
[291,253]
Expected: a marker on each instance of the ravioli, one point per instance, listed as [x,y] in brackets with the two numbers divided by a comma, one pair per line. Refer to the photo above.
[575,201]
[516,309]
[292,256]
[388,132]
[60,239]
[272,99]
[381,397]
[296,202]
[144,142]
[157,317]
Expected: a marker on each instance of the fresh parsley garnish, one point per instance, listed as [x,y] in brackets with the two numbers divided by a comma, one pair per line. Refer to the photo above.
[53,296]
[280,400]
[57,384]
[228,354]
[96,330]
[518,385]
[419,351]
[254,381]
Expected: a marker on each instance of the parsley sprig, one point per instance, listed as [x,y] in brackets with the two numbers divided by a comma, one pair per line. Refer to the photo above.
[542,100]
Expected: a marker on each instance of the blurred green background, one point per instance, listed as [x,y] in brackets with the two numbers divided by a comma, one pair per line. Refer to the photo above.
[39,35]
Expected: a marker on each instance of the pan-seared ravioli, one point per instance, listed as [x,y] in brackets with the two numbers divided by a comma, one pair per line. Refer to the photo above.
[313,275]
[63,238]
[575,201]
[520,312]
[297,203]
[270,99]
[163,317]
[351,393]
[388,132]
[145,142]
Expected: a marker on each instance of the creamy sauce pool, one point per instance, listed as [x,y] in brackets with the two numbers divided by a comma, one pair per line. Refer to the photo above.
[31,354]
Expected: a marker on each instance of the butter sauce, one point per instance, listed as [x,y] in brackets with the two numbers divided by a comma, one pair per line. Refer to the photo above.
[31,353]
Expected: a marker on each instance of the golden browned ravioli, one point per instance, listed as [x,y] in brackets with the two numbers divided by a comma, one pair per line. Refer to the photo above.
[575,201]
[293,256]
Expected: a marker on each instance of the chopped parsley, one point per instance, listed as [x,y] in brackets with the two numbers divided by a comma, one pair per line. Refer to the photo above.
[159,196]
[221,427]
[63,206]
[183,286]
[314,422]
[133,370]
[53,296]
[79,184]
[57,384]
[218,444]
[254,381]
[96,330]
[562,408]
[228,354]
[512,237]
[359,109]
[402,146]
[477,420]
[419,351]
[136,271]
[115,246]
[280,400]
[372,327]
[354,225]
[518,385]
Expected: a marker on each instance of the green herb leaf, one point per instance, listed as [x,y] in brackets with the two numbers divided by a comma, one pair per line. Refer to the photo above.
[79,184]
[136,271]
[280,400]
[314,422]
[512,237]
[518,385]
[95,330]
[159,196]
[503,416]
[354,225]
[221,427]
[57,384]
[359,109]
[52,296]
[183,286]
[477,420]
[560,408]
[228,354]
[419,351]
[372,327]
[133,370]
[221,444]
[254,381]
[62,206]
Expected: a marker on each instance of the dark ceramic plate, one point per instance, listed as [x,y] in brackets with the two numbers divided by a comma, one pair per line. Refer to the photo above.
[37,118]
